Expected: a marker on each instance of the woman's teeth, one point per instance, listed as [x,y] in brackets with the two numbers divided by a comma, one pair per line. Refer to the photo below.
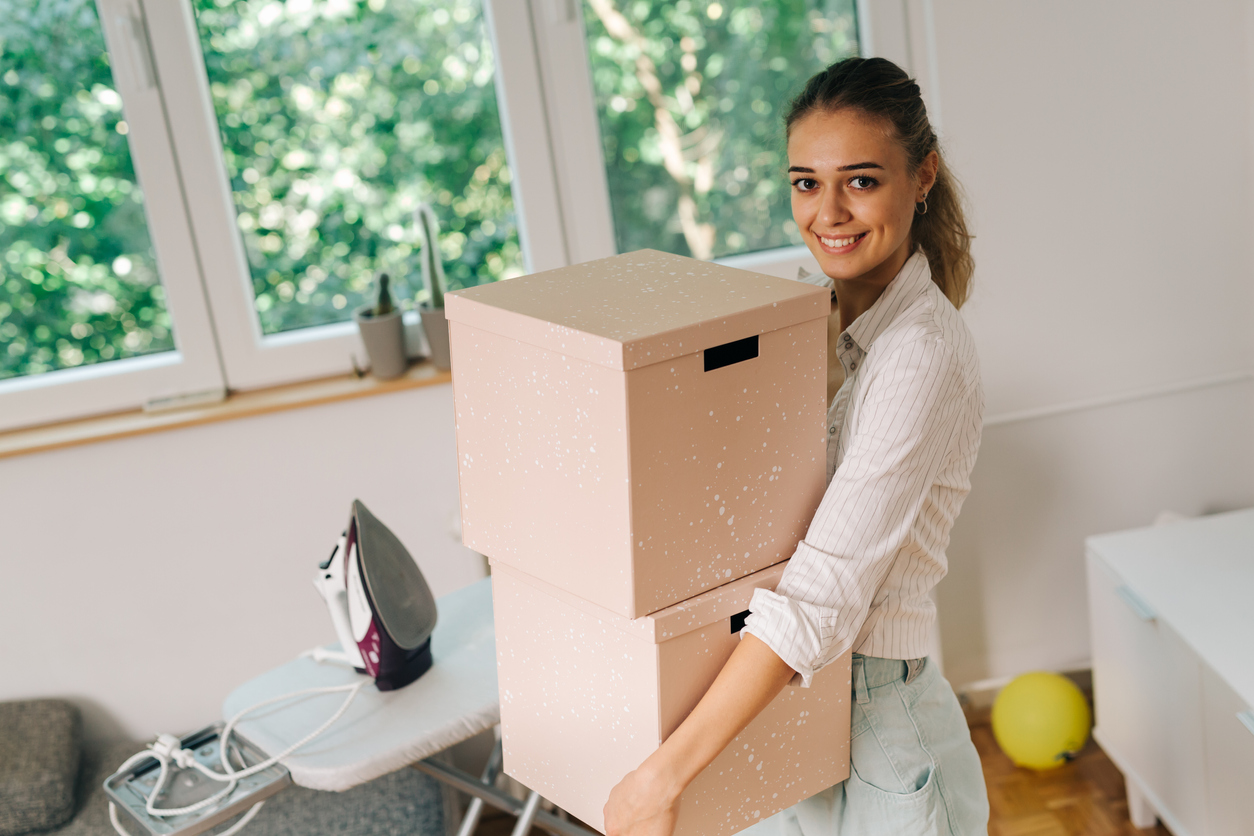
[840,242]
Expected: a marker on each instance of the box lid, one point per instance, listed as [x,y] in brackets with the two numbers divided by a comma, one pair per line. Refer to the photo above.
[673,621]
[636,309]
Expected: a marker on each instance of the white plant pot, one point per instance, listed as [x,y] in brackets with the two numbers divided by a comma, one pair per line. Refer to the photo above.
[384,337]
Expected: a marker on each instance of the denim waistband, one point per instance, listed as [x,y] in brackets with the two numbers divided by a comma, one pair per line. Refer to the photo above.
[873,672]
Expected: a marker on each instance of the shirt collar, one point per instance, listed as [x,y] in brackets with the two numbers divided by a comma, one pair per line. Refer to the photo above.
[912,280]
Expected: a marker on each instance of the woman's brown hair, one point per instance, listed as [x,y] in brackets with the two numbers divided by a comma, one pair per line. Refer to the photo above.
[880,88]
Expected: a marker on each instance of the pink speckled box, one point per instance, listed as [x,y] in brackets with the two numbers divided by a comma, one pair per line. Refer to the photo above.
[587,694]
[639,429]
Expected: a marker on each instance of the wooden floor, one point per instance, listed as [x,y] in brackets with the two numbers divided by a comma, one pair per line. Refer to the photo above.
[1082,798]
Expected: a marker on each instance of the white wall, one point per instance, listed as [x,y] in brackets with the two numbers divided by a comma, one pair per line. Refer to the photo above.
[145,578]
[1014,599]
[1106,151]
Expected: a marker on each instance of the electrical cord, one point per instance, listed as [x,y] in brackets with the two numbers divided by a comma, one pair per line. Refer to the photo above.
[169,748]
[230,831]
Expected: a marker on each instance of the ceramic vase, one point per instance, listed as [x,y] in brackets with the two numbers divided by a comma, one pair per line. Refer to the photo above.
[384,337]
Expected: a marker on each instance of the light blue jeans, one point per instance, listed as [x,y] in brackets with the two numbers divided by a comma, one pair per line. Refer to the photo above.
[913,768]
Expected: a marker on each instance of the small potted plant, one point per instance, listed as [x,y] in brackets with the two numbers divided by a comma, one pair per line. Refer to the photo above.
[383,333]
[434,325]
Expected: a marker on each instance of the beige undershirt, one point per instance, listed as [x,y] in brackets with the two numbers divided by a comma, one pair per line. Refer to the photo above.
[835,371]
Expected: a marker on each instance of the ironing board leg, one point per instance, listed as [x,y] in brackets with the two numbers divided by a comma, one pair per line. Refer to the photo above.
[471,821]
[528,814]
[459,780]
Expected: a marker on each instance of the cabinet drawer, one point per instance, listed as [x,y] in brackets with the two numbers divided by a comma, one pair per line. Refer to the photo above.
[1229,739]
[1147,696]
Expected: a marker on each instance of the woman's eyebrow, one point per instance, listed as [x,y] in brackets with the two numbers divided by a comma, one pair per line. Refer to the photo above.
[852,167]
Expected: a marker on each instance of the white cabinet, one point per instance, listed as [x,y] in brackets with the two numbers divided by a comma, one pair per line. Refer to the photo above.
[1146,678]
[1229,742]
[1173,669]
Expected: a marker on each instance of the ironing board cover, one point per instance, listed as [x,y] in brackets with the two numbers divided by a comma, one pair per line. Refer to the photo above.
[382,731]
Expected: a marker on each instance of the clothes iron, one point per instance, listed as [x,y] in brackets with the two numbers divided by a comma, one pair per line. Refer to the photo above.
[383,613]
[380,604]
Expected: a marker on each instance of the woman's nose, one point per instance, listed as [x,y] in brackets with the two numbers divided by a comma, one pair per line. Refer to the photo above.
[834,210]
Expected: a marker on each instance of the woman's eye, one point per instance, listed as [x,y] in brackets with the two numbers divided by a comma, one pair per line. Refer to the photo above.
[862,182]
[805,184]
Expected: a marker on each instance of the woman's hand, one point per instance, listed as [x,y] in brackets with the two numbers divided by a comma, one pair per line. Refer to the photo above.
[646,802]
[642,804]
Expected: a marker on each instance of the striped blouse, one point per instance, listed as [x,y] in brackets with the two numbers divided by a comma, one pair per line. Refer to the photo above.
[903,432]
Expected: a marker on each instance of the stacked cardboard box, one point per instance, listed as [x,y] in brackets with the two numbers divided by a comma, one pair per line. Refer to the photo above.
[640,445]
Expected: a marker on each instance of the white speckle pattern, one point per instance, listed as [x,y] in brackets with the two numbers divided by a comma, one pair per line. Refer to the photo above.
[590,440]
[595,477]
[633,310]
[589,697]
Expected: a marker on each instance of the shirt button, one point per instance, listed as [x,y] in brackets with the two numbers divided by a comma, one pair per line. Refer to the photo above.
[831,431]
[853,365]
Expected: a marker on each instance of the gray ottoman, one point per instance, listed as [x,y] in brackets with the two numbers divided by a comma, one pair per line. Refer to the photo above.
[40,742]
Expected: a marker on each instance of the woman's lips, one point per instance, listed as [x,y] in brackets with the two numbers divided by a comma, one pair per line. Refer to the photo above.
[842,244]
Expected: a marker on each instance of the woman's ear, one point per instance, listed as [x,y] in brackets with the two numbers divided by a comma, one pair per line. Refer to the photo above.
[927,174]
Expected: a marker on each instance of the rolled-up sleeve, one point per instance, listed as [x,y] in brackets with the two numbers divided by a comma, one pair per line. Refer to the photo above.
[908,422]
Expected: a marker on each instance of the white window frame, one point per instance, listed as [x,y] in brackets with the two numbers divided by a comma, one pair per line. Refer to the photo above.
[559,186]
[193,364]
[251,358]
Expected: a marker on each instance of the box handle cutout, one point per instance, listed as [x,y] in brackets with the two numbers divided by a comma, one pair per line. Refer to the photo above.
[736,351]
[738,621]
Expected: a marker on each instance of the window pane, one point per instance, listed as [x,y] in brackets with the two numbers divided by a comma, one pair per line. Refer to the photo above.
[78,279]
[690,96]
[337,118]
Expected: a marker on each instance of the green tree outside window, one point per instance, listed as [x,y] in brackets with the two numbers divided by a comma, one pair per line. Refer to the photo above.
[690,96]
[78,278]
[338,118]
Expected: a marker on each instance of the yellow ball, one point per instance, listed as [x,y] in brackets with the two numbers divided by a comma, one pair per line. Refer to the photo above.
[1041,720]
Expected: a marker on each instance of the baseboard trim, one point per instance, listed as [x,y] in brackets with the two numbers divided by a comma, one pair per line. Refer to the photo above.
[981,693]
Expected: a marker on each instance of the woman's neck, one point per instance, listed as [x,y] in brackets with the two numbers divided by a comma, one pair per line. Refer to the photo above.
[856,296]
[851,305]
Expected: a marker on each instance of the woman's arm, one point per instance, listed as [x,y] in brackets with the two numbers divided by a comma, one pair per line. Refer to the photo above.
[644,802]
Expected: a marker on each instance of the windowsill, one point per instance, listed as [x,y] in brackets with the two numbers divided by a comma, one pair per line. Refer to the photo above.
[237,405]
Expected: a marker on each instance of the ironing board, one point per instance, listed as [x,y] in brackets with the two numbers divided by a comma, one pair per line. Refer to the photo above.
[384,731]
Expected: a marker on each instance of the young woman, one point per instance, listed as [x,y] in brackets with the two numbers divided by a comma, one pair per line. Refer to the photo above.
[879,210]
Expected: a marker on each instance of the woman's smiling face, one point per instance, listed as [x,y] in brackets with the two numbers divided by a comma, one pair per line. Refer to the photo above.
[853,195]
